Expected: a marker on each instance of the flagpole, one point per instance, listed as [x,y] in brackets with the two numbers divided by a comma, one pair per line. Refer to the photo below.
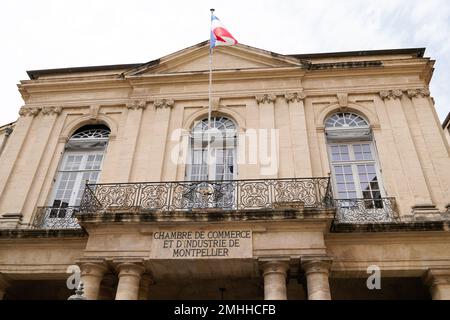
[210,96]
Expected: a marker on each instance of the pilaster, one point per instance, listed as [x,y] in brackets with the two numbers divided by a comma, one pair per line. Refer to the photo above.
[299,134]
[406,148]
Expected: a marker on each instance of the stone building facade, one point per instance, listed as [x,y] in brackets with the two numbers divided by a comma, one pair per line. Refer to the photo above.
[329,168]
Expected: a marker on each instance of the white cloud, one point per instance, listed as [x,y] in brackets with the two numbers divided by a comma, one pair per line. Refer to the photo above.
[51,34]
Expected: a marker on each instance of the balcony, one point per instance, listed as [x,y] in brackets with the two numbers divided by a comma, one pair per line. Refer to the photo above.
[366,211]
[55,218]
[189,196]
[231,195]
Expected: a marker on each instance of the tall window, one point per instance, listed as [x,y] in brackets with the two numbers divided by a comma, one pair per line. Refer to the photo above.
[353,157]
[222,163]
[80,163]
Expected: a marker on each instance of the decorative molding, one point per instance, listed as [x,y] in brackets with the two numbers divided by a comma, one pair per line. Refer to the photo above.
[266,98]
[215,103]
[93,111]
[29,111]
[416,93]
[164,103]
[137,104]
[51,110]
[342,99]
[294,96]
[391,94]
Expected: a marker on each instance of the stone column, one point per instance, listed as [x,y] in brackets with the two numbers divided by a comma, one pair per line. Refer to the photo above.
[91,276]
[275,274]
[144,286]
[4,284]
[107,287]
[438,280]
[129,279]
[316,271]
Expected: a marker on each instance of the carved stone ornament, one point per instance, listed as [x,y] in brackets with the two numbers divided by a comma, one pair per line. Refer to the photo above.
[416,93]
[391,94]
[137,104]
[342,99]
[164,103]
[29,111]
[266,98]
[295,96]
[51,110]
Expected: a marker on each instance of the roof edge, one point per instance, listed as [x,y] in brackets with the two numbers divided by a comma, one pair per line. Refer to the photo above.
[419,52]
[446,121]
[34,74]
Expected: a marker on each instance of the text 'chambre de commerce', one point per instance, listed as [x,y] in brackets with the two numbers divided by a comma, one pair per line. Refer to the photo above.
[201,243]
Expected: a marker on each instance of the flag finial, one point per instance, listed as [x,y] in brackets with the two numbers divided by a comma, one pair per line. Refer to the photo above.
[212,10]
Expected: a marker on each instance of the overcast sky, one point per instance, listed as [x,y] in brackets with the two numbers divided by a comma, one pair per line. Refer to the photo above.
[70,33]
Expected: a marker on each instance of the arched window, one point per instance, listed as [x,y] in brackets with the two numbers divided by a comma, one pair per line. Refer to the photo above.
[345,120]
[222,161]
[353,159]
[80,163]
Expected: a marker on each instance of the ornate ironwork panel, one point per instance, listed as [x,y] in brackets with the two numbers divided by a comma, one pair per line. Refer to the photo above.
[188,195]
[360,211]
[56,218]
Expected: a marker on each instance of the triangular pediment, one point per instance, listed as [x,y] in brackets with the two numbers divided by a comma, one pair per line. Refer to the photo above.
[196,58]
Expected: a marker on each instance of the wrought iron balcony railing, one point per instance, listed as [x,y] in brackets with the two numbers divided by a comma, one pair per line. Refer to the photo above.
[56,218]
[364,211]
[224,195]
[188,195]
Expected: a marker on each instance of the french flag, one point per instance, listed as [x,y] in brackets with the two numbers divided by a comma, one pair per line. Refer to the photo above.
[219,34]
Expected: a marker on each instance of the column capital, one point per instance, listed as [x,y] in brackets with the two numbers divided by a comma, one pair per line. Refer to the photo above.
[266,98]
[417,93]
[93,268]
[437,276]
[130,268]
[26,111]
[137,104]
[164,103]
[294,96]
[50,110]
[316,264]
[391,94]
[147,279]
[275,266]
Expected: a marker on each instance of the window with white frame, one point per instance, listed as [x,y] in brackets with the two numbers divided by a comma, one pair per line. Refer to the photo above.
[353,157]
[222,148]
[81,163]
